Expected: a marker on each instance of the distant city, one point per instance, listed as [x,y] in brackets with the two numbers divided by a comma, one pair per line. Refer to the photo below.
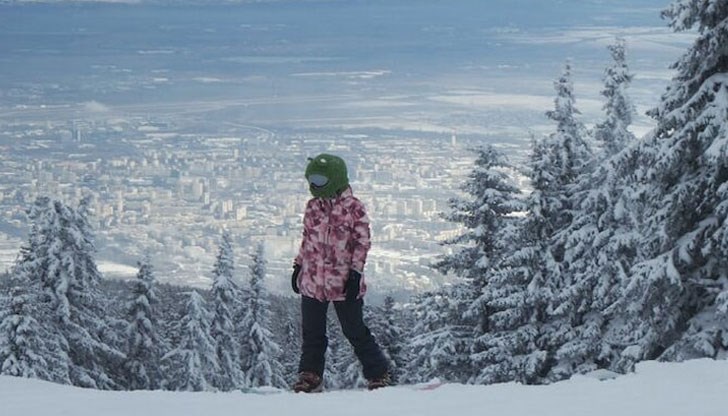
[184,121]
[161,190]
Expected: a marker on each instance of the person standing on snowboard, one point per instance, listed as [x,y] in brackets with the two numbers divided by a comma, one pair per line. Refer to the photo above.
[329,268]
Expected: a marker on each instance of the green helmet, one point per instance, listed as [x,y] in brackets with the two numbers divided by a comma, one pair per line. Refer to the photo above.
[326,175]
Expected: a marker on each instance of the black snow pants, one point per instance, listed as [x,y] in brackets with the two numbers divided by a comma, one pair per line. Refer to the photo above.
[315,342]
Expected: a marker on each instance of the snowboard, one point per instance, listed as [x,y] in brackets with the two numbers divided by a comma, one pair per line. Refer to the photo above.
[430,385]
[263,391]
[427,386]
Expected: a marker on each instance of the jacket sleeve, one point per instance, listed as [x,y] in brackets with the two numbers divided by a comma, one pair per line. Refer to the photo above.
[306,232]
[361,237]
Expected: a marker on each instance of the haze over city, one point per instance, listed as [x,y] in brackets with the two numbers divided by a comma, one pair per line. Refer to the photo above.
[185,121]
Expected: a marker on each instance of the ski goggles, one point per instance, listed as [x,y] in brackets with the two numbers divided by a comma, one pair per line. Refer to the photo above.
[318,181]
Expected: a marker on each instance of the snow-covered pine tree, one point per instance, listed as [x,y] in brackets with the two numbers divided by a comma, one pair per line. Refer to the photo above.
[290,342]
[486,214]
[529,314]
[599,243]
[35,345]
[24,350]
[170,309]
[677,297]
[386,325]
[613,134]
[259,349]
[570,156]
[517,295]
[491,199]
[226,294]
[573,159]
[192,365]
[58,261]
[439,341]
[144,344]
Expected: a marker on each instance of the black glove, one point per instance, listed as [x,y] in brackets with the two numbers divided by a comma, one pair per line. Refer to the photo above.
[351,287]
[294,278]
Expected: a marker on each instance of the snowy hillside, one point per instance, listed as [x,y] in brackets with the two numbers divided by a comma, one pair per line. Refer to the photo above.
[695,388]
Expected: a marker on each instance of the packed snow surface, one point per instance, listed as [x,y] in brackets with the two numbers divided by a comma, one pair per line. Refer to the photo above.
[695,388]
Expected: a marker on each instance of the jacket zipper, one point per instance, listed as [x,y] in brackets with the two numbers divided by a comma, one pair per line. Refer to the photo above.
[328,209]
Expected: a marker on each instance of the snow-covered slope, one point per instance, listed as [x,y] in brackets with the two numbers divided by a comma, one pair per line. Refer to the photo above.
[695,388]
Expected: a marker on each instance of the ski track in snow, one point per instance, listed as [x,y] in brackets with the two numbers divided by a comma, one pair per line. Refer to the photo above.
[695,388]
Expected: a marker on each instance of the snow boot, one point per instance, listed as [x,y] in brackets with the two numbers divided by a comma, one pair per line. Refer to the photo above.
[308,382]
[379,382]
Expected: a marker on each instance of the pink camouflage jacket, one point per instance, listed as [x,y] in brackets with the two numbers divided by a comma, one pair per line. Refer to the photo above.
[336,238]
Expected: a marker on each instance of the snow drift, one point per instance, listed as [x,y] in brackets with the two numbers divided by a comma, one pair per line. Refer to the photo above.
[696,388]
